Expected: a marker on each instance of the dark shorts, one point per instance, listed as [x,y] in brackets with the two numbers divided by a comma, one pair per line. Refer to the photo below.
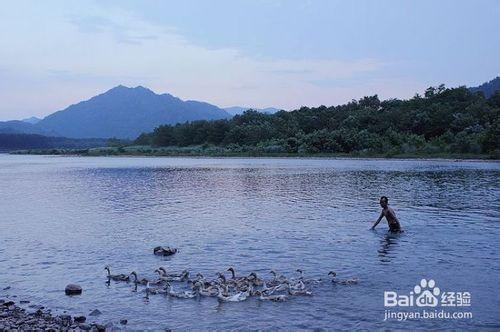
[395,229]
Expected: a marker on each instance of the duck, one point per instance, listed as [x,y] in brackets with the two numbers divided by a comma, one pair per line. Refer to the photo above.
[181,294]
[163,275]
[280,288]
[351,281]
[116,277]
[182,277]
[142,281]
[201,279]
[160,251]
[274,298]
[252,278]
[154,290]
[233,275]
[297,285]
[205,291]
[277,280]
[303,292]
[304,280]
[238,297]
[221,278]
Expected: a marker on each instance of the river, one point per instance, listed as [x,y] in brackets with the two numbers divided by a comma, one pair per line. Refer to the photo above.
[63,219]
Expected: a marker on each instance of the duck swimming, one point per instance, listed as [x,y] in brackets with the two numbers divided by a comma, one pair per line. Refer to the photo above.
[238,297]
[252,278]
[142,281]
[162,272]
[351,281]
[274,298]
[201,288]
[295,292]
[181,294]
[155,290]
[116,277]
[233,275]
[227,289]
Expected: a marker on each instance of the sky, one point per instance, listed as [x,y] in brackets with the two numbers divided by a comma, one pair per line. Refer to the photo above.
[252,53]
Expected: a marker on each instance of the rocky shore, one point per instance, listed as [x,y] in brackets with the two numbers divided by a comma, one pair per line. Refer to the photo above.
[15,318]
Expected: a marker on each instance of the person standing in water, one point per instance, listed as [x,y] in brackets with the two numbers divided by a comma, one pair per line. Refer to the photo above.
[390,216]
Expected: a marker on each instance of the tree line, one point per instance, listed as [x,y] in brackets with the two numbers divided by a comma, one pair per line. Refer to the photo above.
[443,120]
[11,142]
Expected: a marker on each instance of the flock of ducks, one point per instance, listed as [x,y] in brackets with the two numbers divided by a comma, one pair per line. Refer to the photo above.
[232,288]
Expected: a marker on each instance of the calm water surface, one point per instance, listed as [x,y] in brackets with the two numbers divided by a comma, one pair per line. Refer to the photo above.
[62,219]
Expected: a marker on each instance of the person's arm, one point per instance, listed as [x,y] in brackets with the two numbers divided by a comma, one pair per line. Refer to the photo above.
[378,220]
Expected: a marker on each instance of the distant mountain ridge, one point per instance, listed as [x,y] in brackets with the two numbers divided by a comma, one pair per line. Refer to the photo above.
[22,127]
[124,112]
[488,88]
[31,120]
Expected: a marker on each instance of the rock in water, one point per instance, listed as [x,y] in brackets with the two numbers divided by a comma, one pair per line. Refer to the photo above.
[160,251]
[99,327]
[95,312]
[65,320]
[123,322]
[80,319]
[84,327]
[73,289]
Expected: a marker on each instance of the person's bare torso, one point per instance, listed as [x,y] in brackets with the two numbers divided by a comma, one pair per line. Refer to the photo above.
[390,216]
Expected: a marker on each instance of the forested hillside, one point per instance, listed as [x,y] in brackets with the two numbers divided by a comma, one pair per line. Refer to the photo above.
[442,121]
[10,142]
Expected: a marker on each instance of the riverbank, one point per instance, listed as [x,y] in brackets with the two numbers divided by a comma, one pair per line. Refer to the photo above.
[213,151]
[15,318]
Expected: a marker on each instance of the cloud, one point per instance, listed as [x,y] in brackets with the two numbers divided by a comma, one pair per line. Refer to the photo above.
[77,54]
[98,24]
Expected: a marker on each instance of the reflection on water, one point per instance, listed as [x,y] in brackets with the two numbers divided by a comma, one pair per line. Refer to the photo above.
[64,219]
[388,245]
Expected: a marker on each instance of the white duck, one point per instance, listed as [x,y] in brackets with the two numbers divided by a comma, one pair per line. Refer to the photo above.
[181,294]
[238,297]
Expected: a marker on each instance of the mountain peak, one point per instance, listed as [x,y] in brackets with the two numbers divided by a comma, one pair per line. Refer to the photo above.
[126,112]
[31,120]
[125,89]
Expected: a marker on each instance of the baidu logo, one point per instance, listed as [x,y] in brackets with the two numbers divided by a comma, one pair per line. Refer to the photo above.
[427,294]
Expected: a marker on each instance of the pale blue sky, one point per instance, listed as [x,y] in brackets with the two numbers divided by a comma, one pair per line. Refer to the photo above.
[251,53]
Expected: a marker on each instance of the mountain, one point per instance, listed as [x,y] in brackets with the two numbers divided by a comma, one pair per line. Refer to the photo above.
[488,88]
[234,110]
[32,120]
[21,127]
[125,112]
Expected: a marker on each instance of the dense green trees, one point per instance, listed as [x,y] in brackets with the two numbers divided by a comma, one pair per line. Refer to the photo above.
[442,121]
[10,142]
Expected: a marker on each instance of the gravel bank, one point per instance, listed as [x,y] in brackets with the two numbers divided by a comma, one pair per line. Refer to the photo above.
[15,318]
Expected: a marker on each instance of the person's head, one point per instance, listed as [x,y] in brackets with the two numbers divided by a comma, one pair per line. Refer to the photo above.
[384,201]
